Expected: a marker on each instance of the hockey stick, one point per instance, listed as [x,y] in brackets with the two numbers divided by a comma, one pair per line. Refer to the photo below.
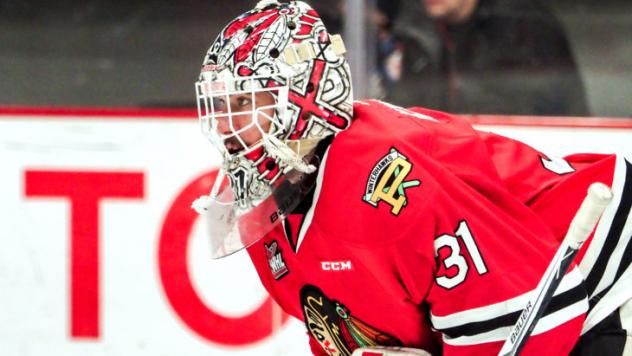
[584,222]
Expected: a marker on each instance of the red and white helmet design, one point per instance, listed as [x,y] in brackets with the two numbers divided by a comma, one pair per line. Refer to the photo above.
[285,50]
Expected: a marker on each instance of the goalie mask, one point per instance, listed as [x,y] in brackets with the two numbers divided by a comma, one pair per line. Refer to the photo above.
[273,84]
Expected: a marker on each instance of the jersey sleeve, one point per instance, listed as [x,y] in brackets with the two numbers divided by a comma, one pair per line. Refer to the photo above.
[489,252]
[469,250]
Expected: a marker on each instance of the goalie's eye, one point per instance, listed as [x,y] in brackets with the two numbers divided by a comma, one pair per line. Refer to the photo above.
[237,103]
[219,104]
[243,101]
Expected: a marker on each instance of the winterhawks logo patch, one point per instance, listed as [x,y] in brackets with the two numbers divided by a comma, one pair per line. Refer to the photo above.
[387,182]
[275,260]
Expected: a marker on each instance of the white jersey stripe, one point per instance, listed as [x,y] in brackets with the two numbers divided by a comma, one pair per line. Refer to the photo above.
[620,292]
[545,324]
[490,336]
[561,316]
[571,280]
[615,259]
[310,213]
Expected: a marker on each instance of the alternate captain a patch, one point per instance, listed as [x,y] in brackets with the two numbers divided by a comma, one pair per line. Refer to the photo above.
[275,260]
[334,328]
[387,182]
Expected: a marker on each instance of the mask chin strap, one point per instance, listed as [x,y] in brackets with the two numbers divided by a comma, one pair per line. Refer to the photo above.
[202,204]
[284,154]
[277,150]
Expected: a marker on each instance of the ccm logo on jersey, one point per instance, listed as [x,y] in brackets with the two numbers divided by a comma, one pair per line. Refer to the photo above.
[336,265]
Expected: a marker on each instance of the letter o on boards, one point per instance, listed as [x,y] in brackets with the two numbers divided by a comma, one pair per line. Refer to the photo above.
[176,280]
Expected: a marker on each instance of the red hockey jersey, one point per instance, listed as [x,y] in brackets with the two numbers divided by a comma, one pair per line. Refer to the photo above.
[426,233]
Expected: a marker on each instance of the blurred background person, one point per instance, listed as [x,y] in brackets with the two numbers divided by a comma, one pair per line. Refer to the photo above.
[500,57]
[390,49]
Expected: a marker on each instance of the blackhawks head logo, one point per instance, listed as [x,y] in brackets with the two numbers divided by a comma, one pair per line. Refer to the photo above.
[387,182]
[334,328]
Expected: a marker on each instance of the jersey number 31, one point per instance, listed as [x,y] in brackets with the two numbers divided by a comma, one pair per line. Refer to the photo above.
[455,259]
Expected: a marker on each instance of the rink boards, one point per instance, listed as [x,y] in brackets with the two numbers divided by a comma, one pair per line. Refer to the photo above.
[101,254]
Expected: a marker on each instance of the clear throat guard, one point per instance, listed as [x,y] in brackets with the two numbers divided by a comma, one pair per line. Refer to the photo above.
[233,224]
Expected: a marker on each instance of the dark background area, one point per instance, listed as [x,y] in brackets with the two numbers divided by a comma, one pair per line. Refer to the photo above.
[147,53]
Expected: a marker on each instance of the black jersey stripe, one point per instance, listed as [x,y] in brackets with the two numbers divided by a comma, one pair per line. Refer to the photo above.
[558,302]
[626,259]
[612,239]
[288,234]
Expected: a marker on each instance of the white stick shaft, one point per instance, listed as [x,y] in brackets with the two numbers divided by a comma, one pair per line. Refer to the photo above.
[585,220]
